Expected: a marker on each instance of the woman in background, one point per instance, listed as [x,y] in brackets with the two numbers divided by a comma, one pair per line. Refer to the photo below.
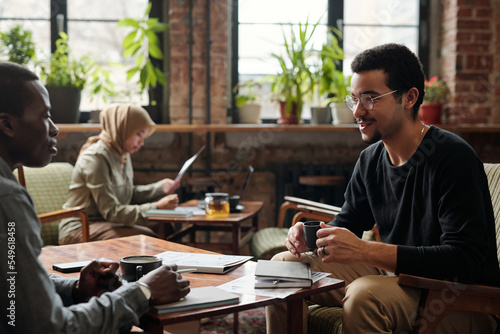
[103,180]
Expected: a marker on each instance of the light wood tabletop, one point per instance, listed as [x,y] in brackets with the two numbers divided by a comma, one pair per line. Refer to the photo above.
[143,245]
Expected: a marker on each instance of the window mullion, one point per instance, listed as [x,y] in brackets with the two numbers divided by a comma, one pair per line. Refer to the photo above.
[58,21]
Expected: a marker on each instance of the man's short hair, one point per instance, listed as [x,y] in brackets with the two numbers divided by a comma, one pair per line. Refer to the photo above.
[14,93]
[403,68]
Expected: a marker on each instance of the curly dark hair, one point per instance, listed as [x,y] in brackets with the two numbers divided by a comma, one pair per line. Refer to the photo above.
[14,93]
[404,69]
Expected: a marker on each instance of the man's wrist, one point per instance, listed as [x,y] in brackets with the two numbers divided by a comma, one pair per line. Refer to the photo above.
[78,296]
[145,290]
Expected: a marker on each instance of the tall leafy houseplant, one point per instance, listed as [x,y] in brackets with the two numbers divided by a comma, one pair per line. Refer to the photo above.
[100,85]
[18,45]
[294,80]
[325,70]
[64,78]
[331,85]
[340,88]
[327,84]
[143,44]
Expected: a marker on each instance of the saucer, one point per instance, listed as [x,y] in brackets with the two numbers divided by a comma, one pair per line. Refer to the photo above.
[237,209]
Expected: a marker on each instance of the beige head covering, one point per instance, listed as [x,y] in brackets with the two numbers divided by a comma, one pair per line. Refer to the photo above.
[119,122]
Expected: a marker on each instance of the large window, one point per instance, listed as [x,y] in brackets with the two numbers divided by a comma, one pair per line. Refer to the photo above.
[92,27]
[37,20]
[92,31]
[364,24]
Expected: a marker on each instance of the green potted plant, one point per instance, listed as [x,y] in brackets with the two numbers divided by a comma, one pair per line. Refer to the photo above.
[294,80]
[339,89]
[436,93]
[101,88]
[326,79]
[64,78]
[245,97]
[143,44]
[18,45]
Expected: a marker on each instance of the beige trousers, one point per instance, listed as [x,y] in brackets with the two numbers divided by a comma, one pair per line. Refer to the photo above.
[372,302]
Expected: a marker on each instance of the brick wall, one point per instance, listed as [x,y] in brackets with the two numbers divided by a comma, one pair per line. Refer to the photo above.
[470,60]
[179,61]
[277,157]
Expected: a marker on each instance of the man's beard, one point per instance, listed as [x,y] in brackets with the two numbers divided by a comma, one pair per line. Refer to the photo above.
[375,138]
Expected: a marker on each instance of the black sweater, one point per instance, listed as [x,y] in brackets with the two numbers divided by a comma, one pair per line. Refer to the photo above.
[436,208]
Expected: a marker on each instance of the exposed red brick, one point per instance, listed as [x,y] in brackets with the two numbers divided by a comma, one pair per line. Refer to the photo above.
[482,13]
[462,36]
[473,48]
[464,12]
[483,36]
[473,24]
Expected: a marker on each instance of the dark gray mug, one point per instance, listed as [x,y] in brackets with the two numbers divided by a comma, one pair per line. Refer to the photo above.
[234,201]
[310,229]
[134,267]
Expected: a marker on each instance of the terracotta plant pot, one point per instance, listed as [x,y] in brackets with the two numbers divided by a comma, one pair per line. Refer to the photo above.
[290,119]
[430,113]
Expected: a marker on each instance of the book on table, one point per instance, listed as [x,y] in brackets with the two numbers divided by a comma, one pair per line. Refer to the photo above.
[282,274]
[161,213]
[199,298]
[204,263]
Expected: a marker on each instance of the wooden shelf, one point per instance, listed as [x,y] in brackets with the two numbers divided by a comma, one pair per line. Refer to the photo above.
[204,128]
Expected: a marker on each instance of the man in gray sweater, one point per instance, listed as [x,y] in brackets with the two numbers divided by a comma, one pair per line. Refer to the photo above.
[33,302]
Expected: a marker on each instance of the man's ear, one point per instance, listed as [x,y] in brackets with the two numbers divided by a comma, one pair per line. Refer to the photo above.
[7,124]
[411,98]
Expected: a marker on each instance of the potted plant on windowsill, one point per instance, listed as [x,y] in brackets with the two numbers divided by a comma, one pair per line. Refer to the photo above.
[245,97]
[436,93]
[327,83]
[18,45]
[294,80]
[340,88]
[64,79]
[143,44]
[101,88]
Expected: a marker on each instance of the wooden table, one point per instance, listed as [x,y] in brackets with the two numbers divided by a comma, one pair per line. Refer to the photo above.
[144,245]
[232,224]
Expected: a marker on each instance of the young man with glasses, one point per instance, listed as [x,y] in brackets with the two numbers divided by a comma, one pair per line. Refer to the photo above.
[426,191]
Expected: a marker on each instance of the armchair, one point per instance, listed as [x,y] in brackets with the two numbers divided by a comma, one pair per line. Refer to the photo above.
[441,297]
[48,187]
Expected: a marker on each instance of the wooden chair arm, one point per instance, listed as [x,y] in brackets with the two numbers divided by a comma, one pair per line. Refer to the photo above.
[302,201]
[311,215]
[439,285]
[449,297]
[301,204]
[313,209]
[77,211]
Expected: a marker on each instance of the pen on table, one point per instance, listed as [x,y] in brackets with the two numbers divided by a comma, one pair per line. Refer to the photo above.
[188,270]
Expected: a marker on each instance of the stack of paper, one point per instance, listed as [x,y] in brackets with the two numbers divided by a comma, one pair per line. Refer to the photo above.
[204,263]
[282,274]
[159,213]
[199,298]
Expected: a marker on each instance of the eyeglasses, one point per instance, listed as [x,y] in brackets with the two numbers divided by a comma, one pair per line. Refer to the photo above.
[366,101]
